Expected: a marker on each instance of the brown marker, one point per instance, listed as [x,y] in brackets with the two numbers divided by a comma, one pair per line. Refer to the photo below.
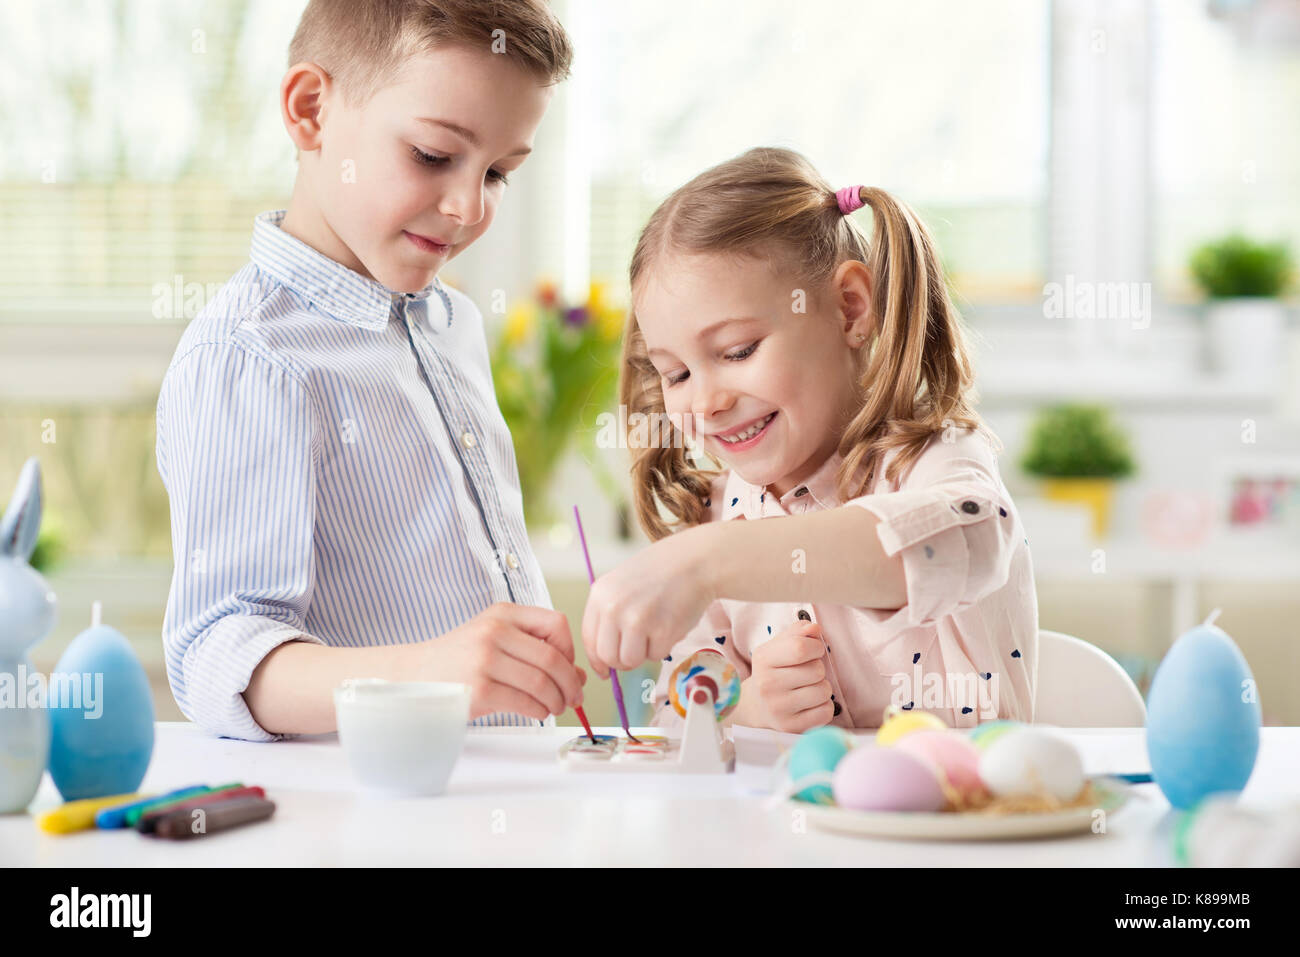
[147,823]
[217,816]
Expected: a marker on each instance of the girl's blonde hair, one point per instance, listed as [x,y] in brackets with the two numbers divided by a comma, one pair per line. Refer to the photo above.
[915,377]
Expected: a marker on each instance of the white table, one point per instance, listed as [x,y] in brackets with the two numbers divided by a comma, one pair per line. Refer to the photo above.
[511,803]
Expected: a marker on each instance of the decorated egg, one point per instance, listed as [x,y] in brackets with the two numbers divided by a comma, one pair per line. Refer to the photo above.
[1203,717]
[818,752]
[982,735]
[953,756]
[898,723]
[101,716]
[872,778]
[710,671]
[1031,761]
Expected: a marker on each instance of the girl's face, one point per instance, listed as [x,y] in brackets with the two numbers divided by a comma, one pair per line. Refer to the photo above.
[765,387]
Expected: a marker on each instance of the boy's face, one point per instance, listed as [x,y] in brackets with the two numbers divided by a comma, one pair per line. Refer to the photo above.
[407,180]
[733,355]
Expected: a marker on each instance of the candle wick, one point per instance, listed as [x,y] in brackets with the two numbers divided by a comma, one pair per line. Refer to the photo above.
[96,609]
[1213,615]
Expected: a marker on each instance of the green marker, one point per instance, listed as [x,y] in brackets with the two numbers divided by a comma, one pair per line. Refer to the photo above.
[134,814]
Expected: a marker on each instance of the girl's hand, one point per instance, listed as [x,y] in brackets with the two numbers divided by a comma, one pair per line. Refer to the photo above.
[645,605]
[787,689]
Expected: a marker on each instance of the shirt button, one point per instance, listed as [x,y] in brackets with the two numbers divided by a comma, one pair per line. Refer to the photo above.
[801,492]
[467,439]
[969,507]
[512,561]
[804,616]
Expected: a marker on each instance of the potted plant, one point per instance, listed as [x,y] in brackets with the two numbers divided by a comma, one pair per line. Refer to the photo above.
[1245,319]
[1079,452]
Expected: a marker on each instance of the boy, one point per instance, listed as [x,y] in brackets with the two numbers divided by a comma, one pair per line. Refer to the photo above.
[344,494]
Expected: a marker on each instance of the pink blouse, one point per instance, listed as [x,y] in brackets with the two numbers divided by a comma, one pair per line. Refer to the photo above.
[965,646]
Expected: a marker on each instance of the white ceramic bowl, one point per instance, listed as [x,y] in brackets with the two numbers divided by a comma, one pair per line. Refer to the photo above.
[402,736]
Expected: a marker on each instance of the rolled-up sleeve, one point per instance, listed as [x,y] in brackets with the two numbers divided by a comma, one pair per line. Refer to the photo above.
[955,527]
[238,452]
[712,631]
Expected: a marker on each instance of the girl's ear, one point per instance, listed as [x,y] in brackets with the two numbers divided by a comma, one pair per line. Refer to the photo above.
[22,519]
[851,287]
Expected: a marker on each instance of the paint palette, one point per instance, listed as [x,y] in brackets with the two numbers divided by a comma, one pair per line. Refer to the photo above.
[615,752]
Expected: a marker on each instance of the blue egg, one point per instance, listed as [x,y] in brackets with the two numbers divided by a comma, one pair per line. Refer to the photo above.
[101,717]
[818,750]
[1203,718]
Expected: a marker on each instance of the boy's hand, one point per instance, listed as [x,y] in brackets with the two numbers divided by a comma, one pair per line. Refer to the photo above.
[787,689]
[513,657]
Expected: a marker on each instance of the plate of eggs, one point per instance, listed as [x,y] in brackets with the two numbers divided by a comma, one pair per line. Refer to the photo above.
[918,778]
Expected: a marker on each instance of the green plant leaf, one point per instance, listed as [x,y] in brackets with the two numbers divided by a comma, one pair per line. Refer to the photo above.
[1077,440]
[1236,266]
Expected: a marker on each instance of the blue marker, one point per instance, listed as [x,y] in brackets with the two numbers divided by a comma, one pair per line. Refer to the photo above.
[115,817]
[1136,778]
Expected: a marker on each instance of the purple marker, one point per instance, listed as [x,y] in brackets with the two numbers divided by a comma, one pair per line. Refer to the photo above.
[613,675]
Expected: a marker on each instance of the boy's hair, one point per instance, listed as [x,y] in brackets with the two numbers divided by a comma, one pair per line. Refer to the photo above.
[915,378]
[362,44]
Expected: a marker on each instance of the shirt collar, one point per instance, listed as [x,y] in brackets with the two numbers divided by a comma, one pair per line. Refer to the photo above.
[335,289]
[820,490]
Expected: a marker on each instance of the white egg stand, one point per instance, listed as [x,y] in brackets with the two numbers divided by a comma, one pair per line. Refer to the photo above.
[704,747]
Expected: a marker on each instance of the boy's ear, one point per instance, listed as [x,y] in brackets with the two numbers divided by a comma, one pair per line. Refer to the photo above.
[851,292]
[302,95]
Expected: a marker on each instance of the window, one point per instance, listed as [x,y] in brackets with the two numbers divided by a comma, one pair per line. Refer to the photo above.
[1226,97]
[943,104]
[141,139]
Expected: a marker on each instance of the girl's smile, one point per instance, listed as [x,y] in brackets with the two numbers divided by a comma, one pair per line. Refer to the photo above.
[748,436]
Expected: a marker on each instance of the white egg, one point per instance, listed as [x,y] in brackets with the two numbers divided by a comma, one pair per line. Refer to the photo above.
[1031,761]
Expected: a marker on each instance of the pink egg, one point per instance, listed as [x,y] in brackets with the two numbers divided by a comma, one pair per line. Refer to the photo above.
[874,778]
[953,754]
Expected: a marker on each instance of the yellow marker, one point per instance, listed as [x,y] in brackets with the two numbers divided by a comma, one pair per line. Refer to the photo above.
[80,815]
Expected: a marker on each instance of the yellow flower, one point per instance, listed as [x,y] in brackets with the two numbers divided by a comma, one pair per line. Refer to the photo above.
[610,323]
[520,321]
[608,317]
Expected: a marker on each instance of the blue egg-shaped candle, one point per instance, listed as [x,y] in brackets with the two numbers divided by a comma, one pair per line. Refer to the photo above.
[817,752]
[101,716]
[1203,717]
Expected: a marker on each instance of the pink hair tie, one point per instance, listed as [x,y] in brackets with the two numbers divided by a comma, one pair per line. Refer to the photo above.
[849,198]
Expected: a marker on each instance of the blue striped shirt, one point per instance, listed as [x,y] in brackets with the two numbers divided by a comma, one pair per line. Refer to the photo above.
[338,472]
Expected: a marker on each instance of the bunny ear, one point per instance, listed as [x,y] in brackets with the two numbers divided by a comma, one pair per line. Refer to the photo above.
[23,517]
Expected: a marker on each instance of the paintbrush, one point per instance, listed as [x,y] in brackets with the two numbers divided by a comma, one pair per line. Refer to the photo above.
[613,675]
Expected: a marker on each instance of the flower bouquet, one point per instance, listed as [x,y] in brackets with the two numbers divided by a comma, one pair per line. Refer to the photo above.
[555,367]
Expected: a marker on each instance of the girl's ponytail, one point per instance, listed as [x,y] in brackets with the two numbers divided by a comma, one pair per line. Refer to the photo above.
[920,346]
[661,470]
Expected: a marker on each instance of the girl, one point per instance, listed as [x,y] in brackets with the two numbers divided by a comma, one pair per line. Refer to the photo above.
[856,548]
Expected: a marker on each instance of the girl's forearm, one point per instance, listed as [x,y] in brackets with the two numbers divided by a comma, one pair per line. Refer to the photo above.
[832,556]
[292,690]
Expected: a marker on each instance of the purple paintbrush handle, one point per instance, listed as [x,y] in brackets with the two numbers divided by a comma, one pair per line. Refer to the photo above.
[591,579]
[618,698]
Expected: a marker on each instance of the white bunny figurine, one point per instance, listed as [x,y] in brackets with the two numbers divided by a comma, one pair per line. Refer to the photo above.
[26,616]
